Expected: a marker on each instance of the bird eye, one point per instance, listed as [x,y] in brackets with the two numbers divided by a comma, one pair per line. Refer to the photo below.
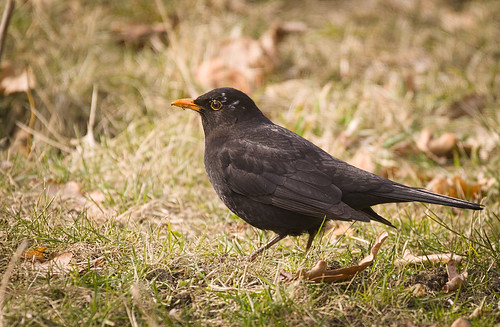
[215,104]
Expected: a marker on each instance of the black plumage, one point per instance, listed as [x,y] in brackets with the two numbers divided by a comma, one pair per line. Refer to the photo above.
[276,180]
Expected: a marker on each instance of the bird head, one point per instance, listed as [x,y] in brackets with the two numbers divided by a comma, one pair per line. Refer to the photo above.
[222,108]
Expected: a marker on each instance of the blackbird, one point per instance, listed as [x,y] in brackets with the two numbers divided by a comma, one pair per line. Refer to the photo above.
[276,180]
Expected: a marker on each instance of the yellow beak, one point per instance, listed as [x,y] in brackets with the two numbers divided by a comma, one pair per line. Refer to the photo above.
[186,103]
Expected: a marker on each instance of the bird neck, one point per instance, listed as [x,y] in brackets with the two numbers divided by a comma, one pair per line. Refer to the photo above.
[232,124]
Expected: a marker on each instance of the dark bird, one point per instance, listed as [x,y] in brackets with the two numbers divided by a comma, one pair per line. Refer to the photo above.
[276,180]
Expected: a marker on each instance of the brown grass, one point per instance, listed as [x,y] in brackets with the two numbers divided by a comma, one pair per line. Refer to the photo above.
[362,83]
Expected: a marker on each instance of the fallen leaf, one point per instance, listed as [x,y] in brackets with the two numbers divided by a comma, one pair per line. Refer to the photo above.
[75,199]
[216,73]
[97,196]
[59,265]
[19,143]
[478,312]
[408,257]
[455,279]
[69,189]
[37,254]
[423,140]
[138,34]
[471,104]
[5,165]
[437,148]
[444,145]
[244,62]
[14,80]
[460,322]
[454,21]
[86,266]
[457,187]
[320,273]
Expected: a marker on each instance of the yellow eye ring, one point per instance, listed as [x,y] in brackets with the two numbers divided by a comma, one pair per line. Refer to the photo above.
[215,105]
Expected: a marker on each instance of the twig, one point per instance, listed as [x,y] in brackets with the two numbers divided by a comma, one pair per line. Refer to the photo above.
[4,25]
[89,138]
[8,273]
[45,139]
[47,125]
[32,111]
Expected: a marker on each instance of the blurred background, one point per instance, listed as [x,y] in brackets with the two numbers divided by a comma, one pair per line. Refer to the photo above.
[405,89]
[395,87]
[95,162]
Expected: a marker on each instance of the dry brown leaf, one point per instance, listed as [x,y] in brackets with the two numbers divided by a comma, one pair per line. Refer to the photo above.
[439,148]
[320,273]
[216,73]
[14,80]
[69,189]
[86,266]
[138,34]
[97,196]
[244,62]
[453,21]
[408,257]
[5,165]
[444,145]
[20,140]
[471,104]
[76,200]
[460,322]
[455,279]
[457,187]
[478,312]
[37,254]
[59,265]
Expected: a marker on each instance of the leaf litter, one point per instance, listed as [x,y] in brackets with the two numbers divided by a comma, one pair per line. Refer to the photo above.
[15,80]
[244,62]
[457,187]
[57,263]
[455,279]
[320,273]
[409,258]
[91,202]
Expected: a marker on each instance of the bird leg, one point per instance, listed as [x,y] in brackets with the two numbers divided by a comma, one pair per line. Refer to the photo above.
[275,240]
[310,240]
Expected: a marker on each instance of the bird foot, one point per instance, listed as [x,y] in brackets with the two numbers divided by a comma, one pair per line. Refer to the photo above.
[254,255]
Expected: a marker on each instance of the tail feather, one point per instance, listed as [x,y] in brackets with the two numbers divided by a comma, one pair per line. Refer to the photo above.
[411,194]
[376,217]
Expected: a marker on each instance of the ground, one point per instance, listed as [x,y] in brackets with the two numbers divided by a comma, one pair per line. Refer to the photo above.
[147,240]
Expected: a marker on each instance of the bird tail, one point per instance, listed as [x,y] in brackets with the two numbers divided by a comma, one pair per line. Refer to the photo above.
[409,194]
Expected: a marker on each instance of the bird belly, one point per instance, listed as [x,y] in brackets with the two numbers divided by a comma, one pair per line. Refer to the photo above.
[257,213]
[268,217]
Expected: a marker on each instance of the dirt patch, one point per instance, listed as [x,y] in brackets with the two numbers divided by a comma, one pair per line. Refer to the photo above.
[180,300]
[433,279]
[161,275]
[494,285]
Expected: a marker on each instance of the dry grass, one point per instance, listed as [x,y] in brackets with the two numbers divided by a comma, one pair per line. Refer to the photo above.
[367,77]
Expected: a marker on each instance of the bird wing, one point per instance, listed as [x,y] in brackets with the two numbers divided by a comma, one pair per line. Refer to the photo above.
[281,174]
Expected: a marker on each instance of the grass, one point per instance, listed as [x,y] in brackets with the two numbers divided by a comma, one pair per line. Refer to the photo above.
[366,78]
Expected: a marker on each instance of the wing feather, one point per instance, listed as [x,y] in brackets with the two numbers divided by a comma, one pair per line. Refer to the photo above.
[289,183]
